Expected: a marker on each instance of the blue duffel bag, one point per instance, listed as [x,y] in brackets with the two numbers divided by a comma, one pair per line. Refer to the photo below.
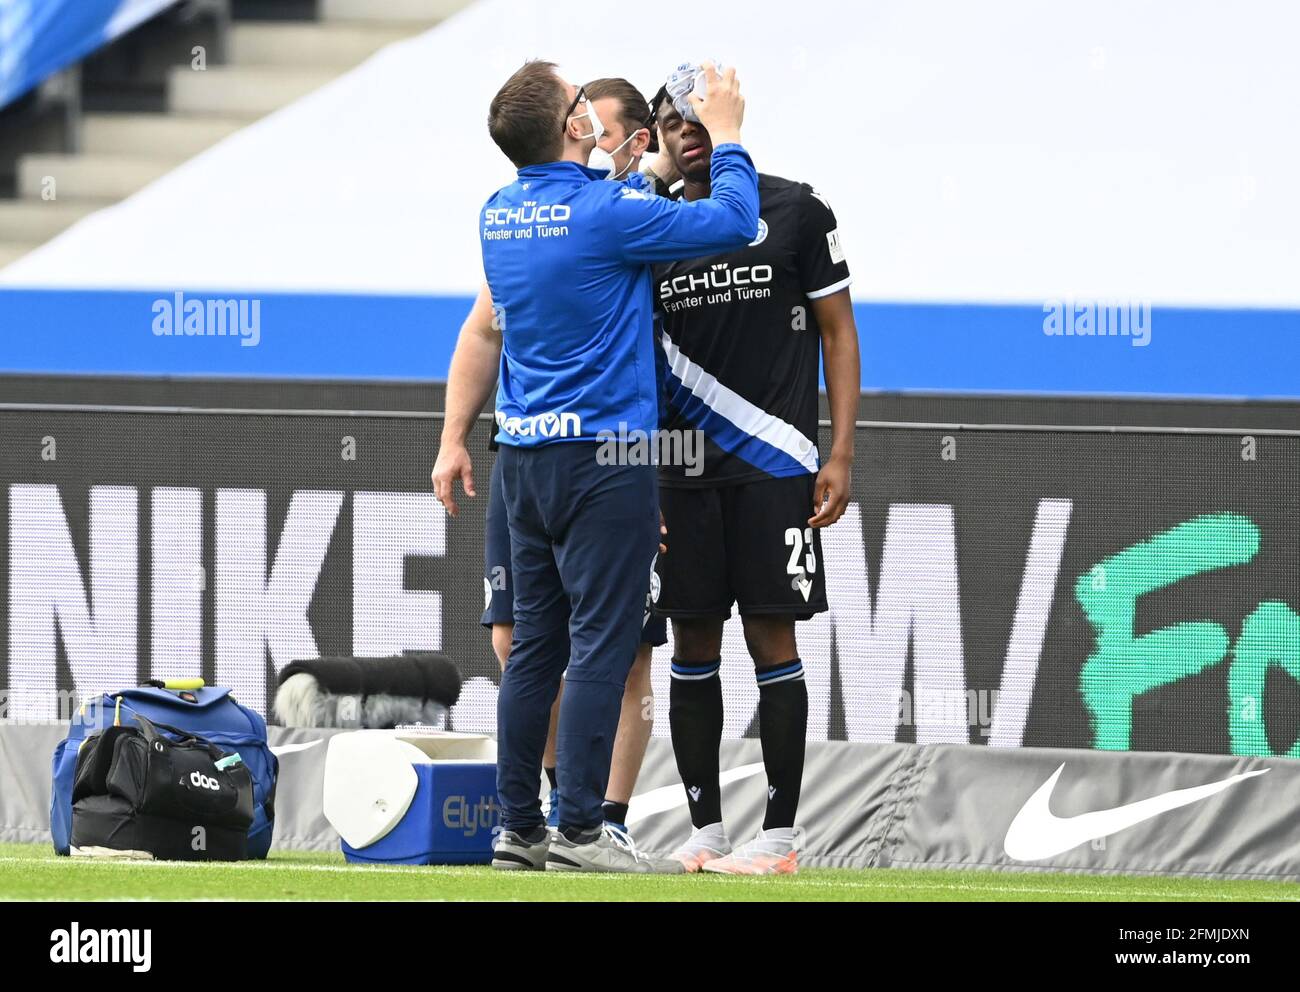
[207,712]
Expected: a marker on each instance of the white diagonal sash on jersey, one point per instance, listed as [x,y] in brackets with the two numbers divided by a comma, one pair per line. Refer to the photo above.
[737,410]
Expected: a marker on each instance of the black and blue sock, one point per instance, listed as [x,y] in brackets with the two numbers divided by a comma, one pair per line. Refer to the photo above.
[695,718]
[783,732]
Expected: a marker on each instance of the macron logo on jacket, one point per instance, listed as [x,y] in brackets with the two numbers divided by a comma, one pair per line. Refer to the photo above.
[549,425]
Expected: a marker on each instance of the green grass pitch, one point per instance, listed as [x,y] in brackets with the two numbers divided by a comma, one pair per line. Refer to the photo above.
[32,872]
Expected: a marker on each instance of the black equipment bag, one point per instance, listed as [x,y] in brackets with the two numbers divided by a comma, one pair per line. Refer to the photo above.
[137,790]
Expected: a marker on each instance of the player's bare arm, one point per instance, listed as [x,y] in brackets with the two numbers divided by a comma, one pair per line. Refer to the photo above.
[843,375]
[662,168]
[470,380]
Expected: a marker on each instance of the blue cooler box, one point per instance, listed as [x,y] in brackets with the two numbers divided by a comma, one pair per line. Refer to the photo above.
[451,821]
[452,816]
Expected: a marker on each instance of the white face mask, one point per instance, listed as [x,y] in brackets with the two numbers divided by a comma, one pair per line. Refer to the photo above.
[597,127]
[602,161]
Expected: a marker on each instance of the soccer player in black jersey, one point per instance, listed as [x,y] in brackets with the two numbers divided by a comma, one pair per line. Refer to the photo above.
[742,333]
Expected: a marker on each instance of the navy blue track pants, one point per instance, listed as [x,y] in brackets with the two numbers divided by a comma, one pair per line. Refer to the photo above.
[583,537]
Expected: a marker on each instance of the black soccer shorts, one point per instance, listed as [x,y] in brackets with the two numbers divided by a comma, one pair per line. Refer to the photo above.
[747,543]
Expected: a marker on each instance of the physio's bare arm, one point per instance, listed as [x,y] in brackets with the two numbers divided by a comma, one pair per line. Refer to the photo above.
[470,381]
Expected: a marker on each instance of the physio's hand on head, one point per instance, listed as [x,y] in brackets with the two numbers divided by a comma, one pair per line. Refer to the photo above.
[722,108]
[453,463]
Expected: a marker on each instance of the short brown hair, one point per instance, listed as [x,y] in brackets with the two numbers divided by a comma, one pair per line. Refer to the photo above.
[525,118]
[633,111]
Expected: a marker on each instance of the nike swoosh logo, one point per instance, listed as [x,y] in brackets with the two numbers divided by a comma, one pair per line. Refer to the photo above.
[284,749]
[669,797]
[1037,833]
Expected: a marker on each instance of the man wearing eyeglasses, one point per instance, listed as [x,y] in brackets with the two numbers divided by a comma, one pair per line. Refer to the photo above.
[625,114]
[566,260]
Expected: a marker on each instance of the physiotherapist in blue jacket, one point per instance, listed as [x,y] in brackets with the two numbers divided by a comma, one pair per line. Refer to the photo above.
[566,255]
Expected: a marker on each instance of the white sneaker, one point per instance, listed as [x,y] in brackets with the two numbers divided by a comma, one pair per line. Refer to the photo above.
[772,852]
[512,852]
[611,849]
[702,846]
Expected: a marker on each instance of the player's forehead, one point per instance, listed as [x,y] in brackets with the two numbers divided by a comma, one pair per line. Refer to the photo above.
[666,113]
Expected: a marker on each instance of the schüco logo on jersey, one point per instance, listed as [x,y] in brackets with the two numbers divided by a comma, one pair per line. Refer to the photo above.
[529,213]
[746,279]
[548,424]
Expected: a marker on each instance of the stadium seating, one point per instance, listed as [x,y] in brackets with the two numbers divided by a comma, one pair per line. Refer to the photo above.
[268,64]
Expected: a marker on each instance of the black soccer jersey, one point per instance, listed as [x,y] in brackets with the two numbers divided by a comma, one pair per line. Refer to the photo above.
[741,343]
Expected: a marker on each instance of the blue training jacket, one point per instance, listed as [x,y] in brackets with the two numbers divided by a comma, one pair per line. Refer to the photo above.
[567,255]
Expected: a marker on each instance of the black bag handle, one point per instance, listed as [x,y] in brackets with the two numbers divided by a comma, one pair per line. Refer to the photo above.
[149,730]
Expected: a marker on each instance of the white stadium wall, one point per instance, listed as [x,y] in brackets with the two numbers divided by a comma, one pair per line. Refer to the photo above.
[1000,152]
